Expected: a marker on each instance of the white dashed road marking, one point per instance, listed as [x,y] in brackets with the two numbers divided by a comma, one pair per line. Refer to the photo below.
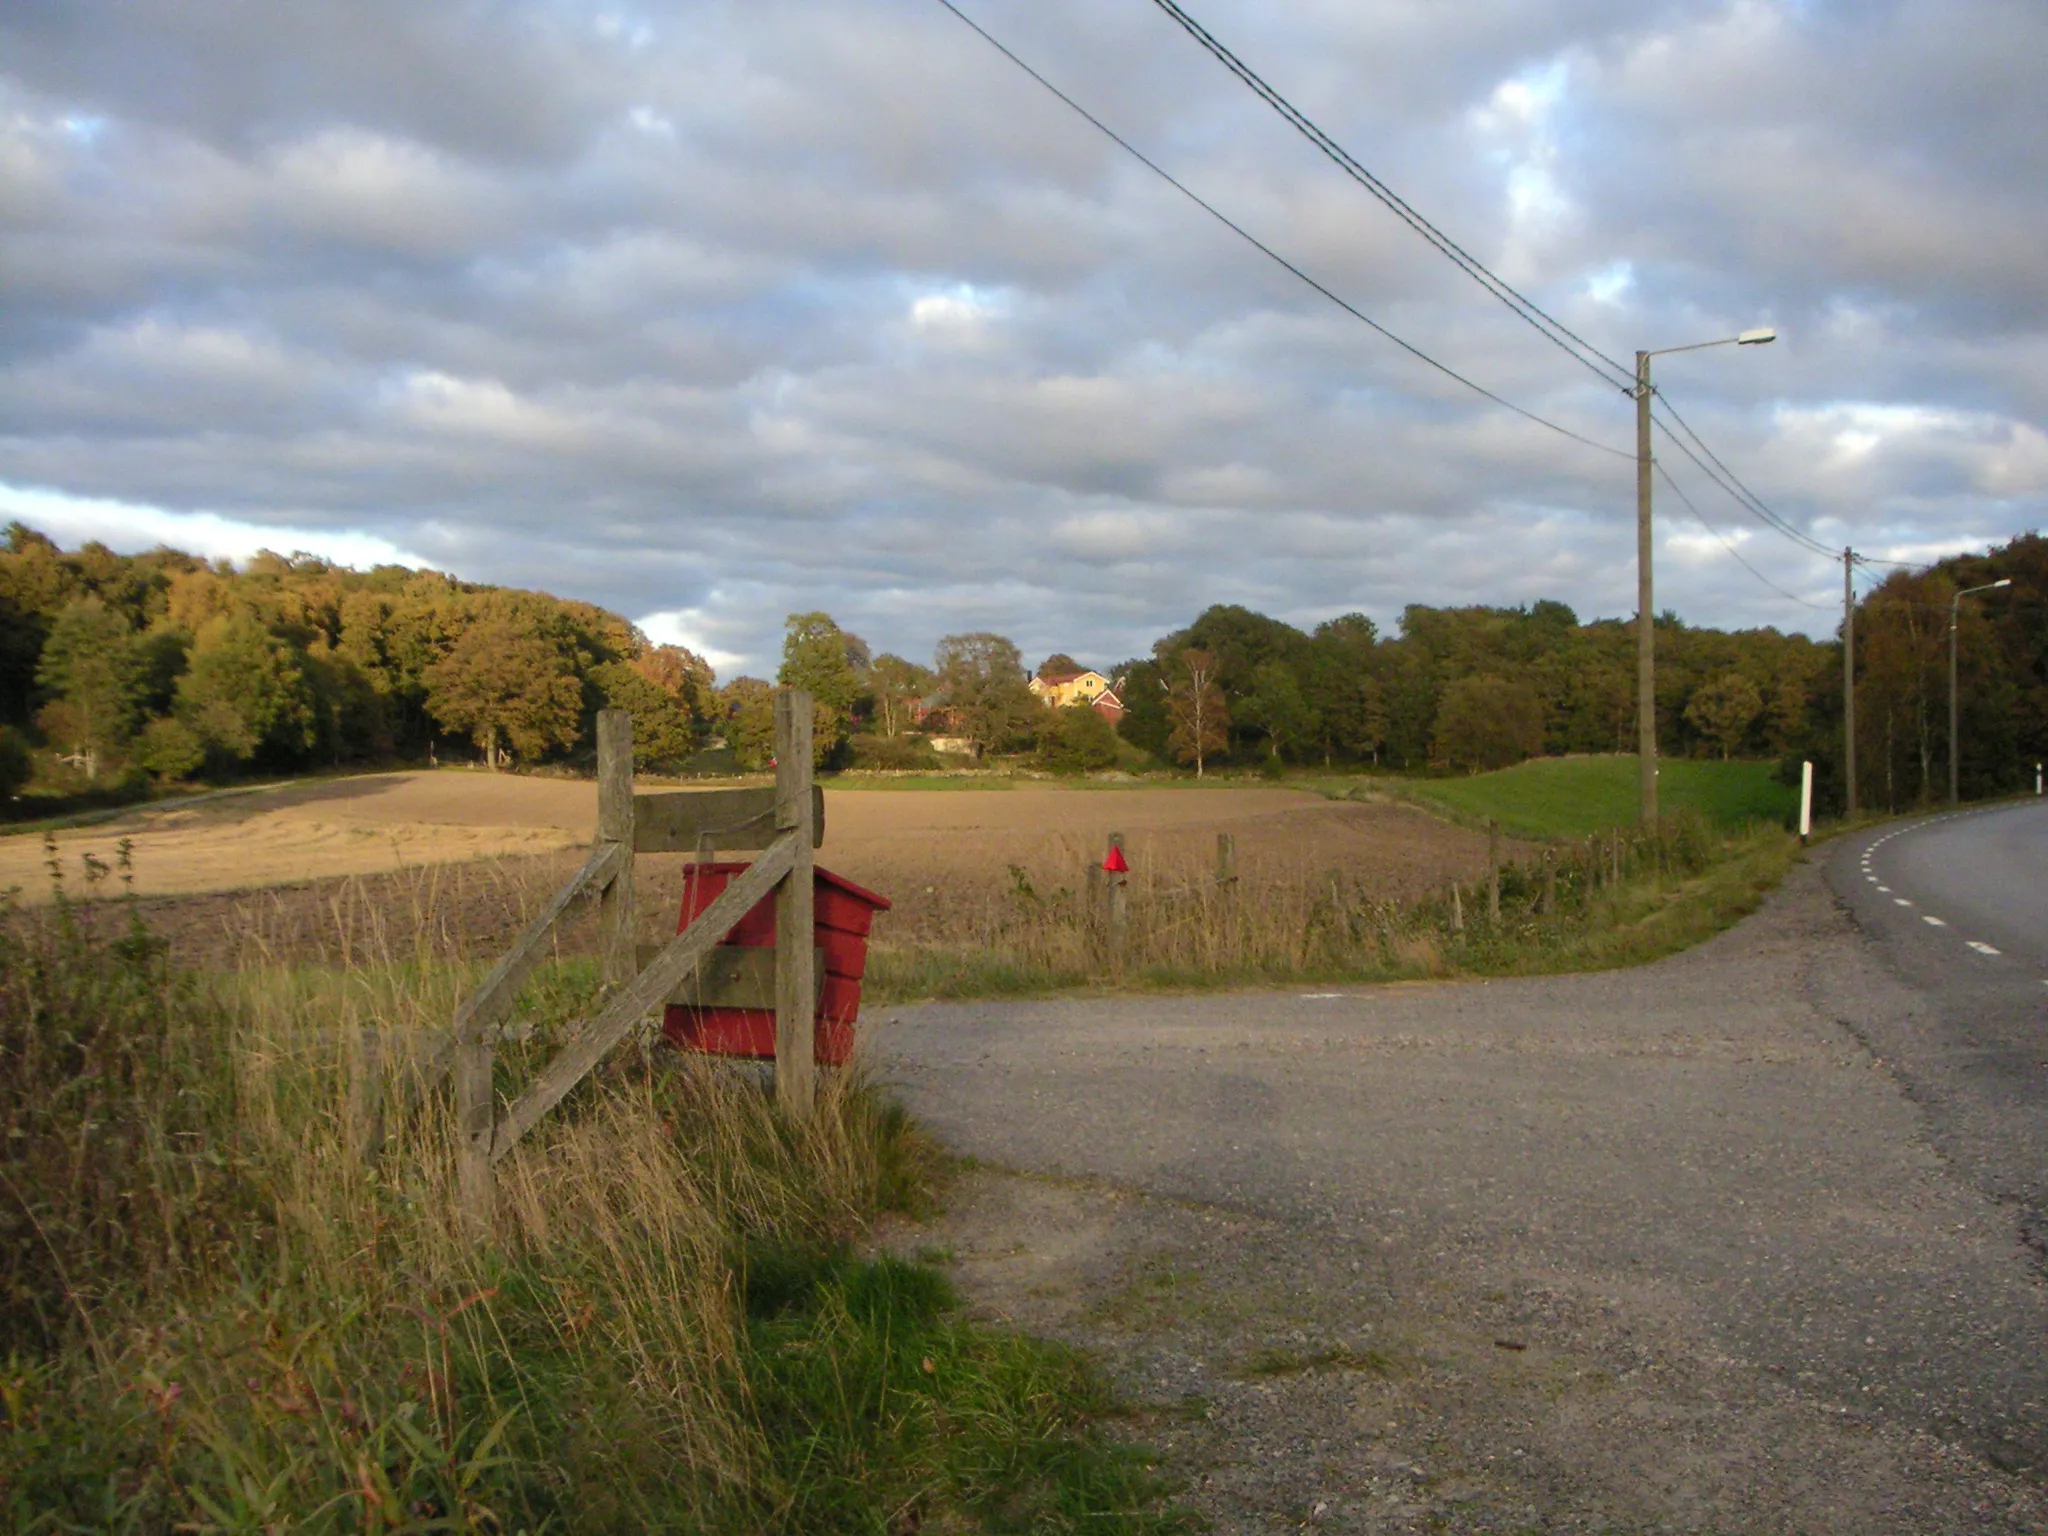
[1932,921]
[1901,901]
[1980,946]
[1886,889]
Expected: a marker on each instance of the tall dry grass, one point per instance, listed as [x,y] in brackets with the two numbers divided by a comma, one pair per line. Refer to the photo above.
[238,1296]
[1590,901]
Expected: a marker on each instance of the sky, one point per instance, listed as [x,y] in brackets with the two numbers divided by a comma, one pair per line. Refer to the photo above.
[716,312]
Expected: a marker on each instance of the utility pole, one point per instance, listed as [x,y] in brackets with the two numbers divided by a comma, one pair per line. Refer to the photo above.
[1646,623]
[1646,607]
[1849,675]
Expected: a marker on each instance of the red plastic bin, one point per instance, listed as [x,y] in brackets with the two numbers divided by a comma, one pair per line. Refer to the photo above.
[842,913]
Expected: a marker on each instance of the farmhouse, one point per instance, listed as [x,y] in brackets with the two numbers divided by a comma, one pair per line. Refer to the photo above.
[1065,688]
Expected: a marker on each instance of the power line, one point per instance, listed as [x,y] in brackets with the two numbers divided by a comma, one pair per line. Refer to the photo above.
[1733,551]
[1769,519]
[1554,330]
[1253,240]
[1744,496]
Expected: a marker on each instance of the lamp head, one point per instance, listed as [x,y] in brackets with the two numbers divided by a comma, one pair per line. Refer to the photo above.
[2003,581]
[1757,337]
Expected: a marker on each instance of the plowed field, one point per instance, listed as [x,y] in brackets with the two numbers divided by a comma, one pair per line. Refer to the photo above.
[930,852]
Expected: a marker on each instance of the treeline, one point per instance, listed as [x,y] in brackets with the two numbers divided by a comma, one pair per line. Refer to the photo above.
[165,666]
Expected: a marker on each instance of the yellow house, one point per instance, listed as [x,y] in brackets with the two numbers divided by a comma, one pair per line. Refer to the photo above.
[1066,688]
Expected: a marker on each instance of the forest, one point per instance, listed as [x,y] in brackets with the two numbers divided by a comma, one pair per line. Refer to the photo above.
[123,672]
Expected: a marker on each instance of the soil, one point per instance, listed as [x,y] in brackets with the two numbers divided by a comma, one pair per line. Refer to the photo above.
[321,869]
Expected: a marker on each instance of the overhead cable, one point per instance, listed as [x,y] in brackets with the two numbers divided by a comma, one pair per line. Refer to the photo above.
[1732,484]
[1256,243]
[1560,335]
[1733,551]
[1773,522]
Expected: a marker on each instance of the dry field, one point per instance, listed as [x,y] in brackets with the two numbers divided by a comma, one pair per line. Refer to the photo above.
[469,852]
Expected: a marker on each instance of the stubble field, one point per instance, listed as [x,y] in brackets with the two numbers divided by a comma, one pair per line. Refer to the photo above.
[380,851]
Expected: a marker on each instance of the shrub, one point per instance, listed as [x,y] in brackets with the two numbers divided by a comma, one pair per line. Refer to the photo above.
[171,749]
[113,1081]
[1076,740]
[897,753]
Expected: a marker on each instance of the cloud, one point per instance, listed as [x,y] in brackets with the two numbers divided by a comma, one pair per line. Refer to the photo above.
[717,313]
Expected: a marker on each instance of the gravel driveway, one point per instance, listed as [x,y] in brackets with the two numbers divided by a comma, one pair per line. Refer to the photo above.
[1652,1250]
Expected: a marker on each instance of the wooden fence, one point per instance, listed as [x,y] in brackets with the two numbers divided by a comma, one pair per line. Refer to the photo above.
[784,823]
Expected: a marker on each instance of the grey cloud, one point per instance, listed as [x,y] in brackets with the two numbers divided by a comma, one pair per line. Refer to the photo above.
[734,310]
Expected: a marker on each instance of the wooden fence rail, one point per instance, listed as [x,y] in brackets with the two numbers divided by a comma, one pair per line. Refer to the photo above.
[784,823]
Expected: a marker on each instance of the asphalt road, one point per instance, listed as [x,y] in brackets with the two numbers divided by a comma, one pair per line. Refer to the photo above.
[1957,905]
[1724,1187]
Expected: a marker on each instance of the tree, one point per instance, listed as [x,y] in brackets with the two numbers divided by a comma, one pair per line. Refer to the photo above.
[897,684]
[748,705]
[1076,739]
[1724,710]
[683,675]
[1274,704]
[1059,664]
[1485,723]
[982,679]
[247,694]
[663,732]
[92,665]
[506,687]
[170,749]
[1201,719]
[820,658]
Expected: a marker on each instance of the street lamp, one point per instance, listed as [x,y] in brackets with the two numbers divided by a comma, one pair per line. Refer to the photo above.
[1955,609]
[1646,641]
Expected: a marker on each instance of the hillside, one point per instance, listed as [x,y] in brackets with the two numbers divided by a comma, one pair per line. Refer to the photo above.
[1574,796]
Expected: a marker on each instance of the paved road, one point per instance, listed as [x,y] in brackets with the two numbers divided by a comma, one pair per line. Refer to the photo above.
[1755,1293]
[1957,904]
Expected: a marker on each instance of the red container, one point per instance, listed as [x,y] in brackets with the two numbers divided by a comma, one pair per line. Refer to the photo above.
[842,913]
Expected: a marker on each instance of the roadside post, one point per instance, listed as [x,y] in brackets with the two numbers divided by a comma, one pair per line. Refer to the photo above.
[1118,872]
[1805,800]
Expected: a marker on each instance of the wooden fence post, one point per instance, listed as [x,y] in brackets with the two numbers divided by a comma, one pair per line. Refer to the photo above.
[475,1113]
[615,825]
[366,1096]
[1493,871]
[1549,884]
[1226,860]
[1119,908]
[796,997]
[1457,911]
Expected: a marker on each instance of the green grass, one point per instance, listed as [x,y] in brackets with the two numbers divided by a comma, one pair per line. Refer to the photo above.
[1575,796]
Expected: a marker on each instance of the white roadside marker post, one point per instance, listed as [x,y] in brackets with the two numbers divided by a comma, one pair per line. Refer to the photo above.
[1805,800]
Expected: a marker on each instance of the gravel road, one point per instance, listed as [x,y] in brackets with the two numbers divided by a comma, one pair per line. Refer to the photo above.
[1663,1250]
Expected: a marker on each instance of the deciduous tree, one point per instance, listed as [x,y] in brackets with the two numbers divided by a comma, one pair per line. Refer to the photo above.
[982,679]
[1485,723]
[1201,718]
[1724,710]
[508,690]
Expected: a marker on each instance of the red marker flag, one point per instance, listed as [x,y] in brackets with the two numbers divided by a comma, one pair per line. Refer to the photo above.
[1115,862]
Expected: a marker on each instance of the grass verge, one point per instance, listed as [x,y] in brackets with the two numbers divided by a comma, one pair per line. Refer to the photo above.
[1565,797]
[235,1298]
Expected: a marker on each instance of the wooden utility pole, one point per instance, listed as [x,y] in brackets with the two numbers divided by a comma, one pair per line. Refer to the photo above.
[1849,675]
[796,992]
[1646,624]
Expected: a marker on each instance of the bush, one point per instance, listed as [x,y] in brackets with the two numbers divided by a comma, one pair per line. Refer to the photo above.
[171,749]
[894,753]
[1076,740]
[114,1080]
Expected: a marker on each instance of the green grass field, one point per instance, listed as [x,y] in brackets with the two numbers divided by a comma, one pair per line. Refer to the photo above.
[1574,796]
